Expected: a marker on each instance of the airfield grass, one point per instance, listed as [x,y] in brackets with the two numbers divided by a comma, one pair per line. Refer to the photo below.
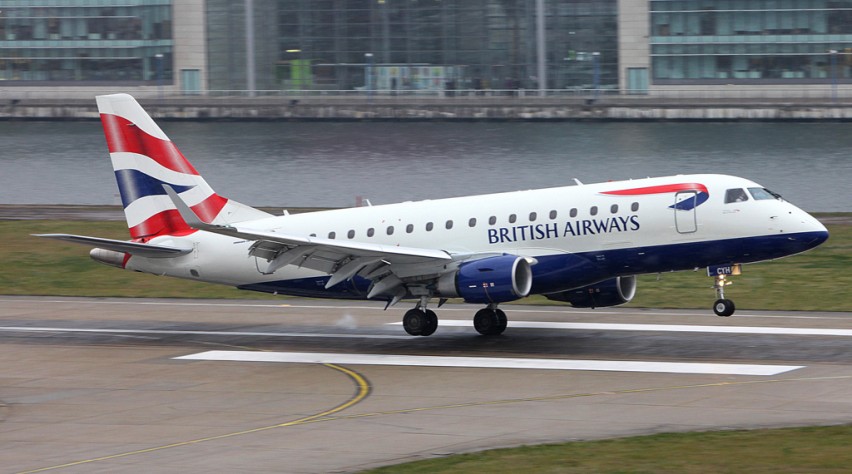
[789,450]
[818,280]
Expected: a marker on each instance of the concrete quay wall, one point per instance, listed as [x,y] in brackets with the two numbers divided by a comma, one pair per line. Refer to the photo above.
[448,109]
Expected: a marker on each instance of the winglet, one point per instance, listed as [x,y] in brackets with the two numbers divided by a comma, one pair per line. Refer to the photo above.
[190,217]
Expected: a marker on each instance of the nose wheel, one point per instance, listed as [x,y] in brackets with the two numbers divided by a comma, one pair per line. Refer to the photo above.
[723,306]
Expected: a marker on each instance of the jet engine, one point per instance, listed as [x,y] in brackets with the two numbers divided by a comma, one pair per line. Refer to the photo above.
[611,292]
[489,280]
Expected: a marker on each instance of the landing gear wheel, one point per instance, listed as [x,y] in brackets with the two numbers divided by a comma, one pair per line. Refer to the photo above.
[414,322]
[502,321]
[420,323]
[723,307]
[489,322]
[431,323]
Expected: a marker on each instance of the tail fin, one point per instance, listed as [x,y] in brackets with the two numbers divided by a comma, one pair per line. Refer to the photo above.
[144,159]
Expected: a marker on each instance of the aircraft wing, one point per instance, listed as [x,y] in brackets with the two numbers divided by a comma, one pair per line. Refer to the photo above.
[386,264]
[133,248]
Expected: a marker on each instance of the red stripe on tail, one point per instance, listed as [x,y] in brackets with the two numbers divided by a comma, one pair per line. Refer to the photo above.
[169,222]
[123,135]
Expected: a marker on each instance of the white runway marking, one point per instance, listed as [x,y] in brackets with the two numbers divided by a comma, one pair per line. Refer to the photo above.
[659,327]
[166,332]
[495,363]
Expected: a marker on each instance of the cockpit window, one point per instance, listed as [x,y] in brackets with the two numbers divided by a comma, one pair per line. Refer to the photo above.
[762,193]
[735,195]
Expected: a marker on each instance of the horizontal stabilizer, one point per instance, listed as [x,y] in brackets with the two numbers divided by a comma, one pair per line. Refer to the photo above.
[133,248]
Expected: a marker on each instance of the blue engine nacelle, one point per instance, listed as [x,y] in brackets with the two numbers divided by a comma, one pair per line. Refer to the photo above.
[489,280]
[612,292]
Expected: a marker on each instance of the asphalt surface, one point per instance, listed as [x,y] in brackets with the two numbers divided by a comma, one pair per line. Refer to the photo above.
[127,385]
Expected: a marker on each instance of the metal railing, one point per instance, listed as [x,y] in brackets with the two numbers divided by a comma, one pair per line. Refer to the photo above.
[775,94]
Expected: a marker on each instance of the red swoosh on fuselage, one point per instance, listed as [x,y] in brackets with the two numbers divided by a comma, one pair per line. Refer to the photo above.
[665,188]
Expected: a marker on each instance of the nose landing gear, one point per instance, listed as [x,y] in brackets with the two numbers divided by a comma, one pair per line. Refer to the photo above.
[722,307]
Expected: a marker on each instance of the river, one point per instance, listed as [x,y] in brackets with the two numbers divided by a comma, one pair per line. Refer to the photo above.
[329,164]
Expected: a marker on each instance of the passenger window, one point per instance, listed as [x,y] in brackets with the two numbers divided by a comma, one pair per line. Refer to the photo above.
[409,228]
[313,235]
[512,218]
[472,222]
[594,210]
[492,220]
[533,216]
[370,232]
[574,212]
[449,224]
[331,235]
[429,226]
[634,207]
[614,209]
[351,234]
[552,215]
[735,195]
[390,230]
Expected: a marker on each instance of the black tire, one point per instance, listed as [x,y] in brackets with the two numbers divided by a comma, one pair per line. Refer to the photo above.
[431,324]
[723,307]
[414,322]
[502,321]
[487,322]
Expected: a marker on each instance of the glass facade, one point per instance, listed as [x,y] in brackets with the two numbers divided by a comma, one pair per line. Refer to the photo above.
[419,44]
[751,41]
[56,41]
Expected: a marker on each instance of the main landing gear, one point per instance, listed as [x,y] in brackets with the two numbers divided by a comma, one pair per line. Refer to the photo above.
[420,321]
[490,321]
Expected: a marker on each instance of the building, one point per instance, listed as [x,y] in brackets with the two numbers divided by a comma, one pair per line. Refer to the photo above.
[638,47]
[735,47]
[61,45]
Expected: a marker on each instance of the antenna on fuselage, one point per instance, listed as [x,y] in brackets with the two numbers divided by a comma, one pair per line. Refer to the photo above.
[578,182]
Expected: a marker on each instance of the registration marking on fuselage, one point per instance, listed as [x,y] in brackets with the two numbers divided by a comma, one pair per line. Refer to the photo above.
[491,362]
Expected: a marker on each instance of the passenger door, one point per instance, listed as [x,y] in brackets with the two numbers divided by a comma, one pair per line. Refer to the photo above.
[686,219]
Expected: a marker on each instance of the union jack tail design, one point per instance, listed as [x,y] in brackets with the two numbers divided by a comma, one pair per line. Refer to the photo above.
[144,159]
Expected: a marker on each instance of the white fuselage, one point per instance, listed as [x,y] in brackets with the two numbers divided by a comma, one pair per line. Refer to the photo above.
[622,234]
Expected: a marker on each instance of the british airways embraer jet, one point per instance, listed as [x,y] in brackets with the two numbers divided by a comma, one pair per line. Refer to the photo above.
[580,244]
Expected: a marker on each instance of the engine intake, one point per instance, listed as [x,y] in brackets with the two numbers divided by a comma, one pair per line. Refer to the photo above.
[611,292]
[489,280]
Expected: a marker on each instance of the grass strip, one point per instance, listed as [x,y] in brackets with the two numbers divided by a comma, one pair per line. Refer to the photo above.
[789,450]
[814,281]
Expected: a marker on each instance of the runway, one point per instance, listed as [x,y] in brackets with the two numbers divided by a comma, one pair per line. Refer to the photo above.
[124,385]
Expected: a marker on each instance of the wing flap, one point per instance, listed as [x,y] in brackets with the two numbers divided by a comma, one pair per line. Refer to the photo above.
[133,248]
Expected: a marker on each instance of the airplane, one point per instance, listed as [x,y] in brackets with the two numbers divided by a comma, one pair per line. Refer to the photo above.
[582,244]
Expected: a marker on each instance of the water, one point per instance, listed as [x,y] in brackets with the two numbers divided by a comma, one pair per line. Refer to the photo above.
[329,164]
